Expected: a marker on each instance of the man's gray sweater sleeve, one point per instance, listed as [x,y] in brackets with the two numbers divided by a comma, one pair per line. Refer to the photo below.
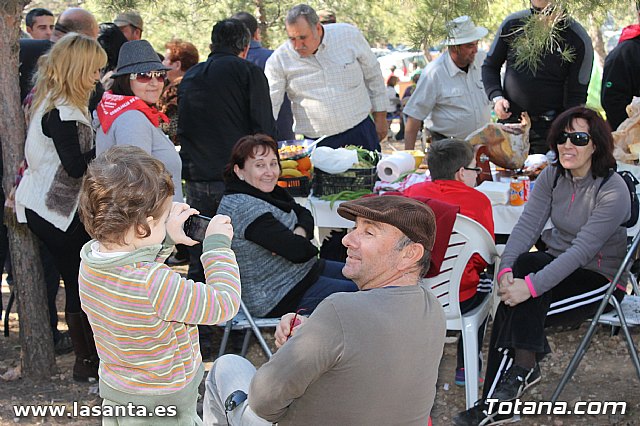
[311,352]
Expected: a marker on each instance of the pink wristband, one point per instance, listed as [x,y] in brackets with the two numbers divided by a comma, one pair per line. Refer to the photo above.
[530,285]
[502,272]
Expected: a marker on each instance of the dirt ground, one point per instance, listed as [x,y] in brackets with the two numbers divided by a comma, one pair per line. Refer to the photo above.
[605,374]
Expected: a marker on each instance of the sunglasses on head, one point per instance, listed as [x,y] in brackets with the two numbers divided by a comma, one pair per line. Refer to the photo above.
[145,77]
[576,138]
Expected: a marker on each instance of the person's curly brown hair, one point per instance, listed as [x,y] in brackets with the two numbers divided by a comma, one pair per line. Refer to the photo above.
[121,188]
[183,51]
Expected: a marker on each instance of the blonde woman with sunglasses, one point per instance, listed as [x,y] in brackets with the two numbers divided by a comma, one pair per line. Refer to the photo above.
[127,114]
[587,204]
[59,146]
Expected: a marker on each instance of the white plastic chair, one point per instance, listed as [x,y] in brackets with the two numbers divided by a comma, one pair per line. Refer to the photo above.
[245,321]
[468,237]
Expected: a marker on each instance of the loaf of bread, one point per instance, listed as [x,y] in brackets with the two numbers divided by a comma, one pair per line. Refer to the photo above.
[627,137]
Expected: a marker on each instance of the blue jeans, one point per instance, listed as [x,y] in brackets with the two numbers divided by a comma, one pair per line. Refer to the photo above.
[330,281]
[204,197]
[364,134]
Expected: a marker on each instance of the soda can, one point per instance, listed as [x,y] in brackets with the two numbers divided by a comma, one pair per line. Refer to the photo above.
[527,186]
[516,192]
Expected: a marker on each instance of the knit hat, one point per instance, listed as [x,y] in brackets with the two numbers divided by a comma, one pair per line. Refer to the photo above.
[129,18]
[137,56]
[415,219]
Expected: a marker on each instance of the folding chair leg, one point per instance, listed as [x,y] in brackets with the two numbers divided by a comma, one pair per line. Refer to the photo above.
[577,357]
[586,340]
[225,338]
[625,328]
[256,331]
[245,343]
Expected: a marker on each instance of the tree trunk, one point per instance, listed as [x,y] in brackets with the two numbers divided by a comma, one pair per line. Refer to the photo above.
[38,360]
[598,43]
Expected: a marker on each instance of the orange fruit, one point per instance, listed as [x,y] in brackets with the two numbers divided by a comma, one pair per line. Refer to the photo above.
[304,164]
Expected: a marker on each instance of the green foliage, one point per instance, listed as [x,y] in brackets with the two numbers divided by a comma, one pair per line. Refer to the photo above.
[381,21]
[420,23]
[429,23]
[540,34]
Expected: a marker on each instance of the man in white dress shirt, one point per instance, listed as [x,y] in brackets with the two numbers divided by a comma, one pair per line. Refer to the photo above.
[450,89]
[333,80]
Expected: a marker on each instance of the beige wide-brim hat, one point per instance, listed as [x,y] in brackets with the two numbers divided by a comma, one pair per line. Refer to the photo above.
[462,30]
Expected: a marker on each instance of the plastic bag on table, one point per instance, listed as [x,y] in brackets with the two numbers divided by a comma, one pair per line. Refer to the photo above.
[333,161]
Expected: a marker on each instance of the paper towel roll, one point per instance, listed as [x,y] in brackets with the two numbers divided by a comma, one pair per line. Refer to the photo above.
[392,167]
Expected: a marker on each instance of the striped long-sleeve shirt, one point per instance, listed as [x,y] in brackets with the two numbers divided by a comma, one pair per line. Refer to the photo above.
[144,315]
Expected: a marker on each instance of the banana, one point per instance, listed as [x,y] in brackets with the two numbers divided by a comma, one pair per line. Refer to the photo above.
[291,173]
[288,164]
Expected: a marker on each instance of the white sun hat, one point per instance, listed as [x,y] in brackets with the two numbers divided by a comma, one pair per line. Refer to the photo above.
[462,30]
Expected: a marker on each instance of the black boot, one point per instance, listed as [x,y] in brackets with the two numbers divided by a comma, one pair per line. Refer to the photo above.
[85,368]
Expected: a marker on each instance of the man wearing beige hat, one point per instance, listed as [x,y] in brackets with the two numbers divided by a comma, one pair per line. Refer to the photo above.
[130,23]
[363,358]
[450,90]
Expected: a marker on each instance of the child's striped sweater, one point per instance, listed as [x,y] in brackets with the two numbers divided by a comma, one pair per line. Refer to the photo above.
[144,315]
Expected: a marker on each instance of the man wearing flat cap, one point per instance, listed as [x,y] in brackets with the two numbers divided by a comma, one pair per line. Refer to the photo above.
[450,90]
[363,358]
[130,23]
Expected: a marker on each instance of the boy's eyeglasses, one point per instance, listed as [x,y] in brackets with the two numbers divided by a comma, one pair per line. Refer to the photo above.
[478,170]
[576,138]
[145,77]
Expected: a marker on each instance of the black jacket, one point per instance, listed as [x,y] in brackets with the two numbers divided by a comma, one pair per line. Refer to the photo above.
[620,80]
[220,101]
[557,84]
[30,52]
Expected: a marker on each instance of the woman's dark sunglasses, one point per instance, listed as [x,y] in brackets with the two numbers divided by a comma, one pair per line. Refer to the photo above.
[145,77]
[576,138]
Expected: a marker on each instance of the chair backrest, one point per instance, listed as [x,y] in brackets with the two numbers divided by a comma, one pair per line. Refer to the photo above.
[468,237]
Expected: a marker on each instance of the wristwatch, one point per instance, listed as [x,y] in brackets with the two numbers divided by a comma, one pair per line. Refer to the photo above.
[496,99]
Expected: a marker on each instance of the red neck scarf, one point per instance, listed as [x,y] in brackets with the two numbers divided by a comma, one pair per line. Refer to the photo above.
[111,106]
[632,31]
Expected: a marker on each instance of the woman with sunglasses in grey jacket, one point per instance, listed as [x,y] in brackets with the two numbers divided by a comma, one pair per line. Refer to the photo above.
[587,203]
